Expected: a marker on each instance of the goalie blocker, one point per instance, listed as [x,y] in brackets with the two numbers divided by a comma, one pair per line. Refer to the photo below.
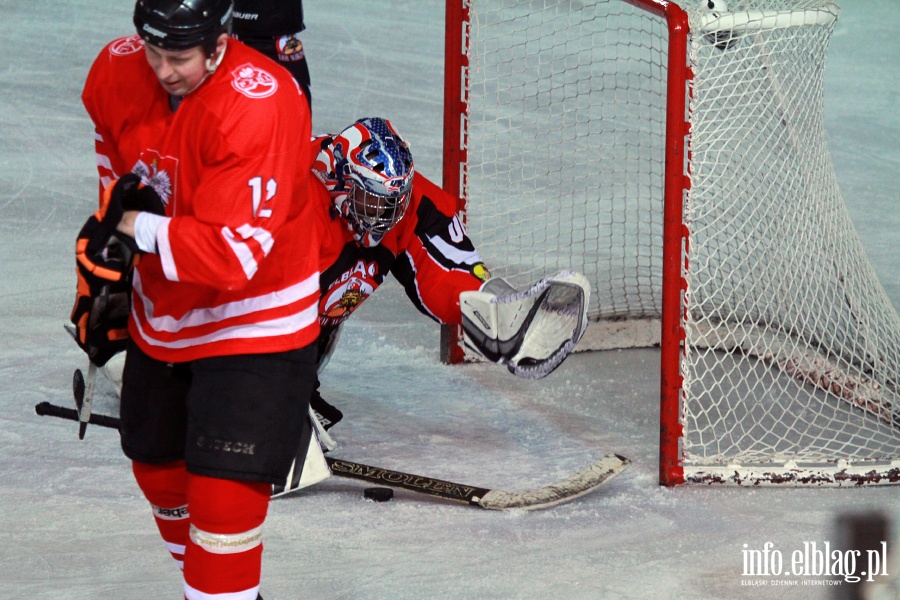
[531,332]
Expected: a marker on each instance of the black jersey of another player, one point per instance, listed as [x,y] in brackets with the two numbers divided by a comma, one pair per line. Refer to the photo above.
[267,18]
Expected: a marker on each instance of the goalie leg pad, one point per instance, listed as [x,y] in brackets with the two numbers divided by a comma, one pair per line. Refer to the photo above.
[312,458]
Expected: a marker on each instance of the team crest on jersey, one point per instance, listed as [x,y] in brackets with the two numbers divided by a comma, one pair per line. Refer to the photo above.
[127,45]
[349,291]
[253,82]
[158,172]
[289,48]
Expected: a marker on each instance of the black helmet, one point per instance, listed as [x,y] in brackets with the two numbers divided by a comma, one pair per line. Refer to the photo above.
[182,24]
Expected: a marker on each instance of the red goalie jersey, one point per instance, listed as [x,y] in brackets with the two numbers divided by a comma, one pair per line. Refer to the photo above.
[428,252]
[236,269]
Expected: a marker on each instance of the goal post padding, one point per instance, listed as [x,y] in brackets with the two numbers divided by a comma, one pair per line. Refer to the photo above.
[677,157]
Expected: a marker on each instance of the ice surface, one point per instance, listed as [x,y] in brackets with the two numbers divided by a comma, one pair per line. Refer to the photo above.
[75,526]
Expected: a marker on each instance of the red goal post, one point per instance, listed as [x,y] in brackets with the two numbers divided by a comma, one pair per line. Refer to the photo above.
[676,155]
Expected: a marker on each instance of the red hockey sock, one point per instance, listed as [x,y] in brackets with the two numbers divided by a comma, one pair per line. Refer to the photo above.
[224,552]
[165,487]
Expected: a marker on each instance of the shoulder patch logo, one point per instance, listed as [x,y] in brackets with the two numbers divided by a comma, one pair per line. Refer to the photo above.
[126,45]
[253,82]
[289,48]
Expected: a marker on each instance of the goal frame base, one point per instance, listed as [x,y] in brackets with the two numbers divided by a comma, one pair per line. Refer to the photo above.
[842,474]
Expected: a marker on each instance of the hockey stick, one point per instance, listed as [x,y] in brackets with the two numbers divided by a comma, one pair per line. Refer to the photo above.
[53,410]
[570,488]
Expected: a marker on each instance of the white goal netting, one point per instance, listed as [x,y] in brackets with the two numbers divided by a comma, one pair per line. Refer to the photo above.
[791,360]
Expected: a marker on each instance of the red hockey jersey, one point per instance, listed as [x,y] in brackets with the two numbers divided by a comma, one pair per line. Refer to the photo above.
[428,252]
[237,264]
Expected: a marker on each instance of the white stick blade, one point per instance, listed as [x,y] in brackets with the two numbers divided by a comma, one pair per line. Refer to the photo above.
[577,485]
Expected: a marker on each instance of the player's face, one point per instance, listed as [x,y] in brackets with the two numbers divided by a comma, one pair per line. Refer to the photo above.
[376,210]
[178,71]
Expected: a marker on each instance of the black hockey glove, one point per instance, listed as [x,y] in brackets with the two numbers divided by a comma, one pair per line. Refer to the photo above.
[104,260]
[131,194]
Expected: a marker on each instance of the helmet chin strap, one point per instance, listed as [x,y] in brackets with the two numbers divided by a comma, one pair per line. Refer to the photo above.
[211,66]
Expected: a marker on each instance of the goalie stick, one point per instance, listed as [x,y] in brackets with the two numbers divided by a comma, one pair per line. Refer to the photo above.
[582,482]
[572,487]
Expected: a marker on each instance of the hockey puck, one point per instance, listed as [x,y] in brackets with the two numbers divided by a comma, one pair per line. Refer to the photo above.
[378,494]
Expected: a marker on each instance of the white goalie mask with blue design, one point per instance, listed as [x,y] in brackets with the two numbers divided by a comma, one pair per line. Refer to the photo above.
[374,172]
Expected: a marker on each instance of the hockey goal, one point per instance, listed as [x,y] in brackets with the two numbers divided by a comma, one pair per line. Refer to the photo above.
[677,157]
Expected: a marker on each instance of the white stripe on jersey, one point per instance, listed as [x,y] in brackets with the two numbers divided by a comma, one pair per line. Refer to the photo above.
[164,247]
[103,161]
[104,167]
[243,252]
[415,281]
[462,257]
[273,328]
[240,248]
[215,314]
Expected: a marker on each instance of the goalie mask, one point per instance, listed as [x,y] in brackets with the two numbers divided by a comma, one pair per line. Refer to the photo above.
[368,170]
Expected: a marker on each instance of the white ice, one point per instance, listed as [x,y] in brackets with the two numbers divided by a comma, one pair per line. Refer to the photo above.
[75,527]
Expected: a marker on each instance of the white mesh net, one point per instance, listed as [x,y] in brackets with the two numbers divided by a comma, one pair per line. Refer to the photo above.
[792,352]
[566,124]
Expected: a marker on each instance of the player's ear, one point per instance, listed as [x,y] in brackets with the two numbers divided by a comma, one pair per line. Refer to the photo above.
[221,41]
[212,62]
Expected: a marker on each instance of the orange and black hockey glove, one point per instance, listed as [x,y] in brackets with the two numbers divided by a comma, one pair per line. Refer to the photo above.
[104,260]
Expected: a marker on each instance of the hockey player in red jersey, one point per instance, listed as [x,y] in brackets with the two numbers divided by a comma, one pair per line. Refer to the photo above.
[204,158]
[379,217]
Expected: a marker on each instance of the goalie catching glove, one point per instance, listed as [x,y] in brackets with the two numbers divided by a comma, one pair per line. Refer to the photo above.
[104,260]
[531,332]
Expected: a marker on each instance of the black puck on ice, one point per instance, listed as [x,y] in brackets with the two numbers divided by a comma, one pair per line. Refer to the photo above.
[378,494]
